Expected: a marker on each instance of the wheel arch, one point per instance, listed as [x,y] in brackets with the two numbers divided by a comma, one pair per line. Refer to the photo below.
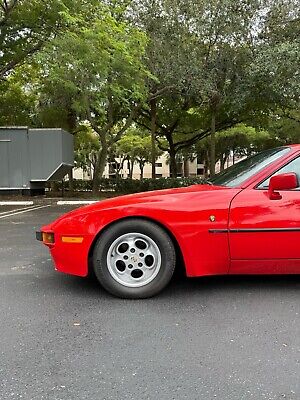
[180,264]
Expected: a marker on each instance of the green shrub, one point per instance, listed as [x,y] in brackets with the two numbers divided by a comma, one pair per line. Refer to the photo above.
[124,186]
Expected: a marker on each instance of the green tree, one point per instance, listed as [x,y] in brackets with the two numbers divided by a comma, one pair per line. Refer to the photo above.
[17,105]
[194,68]
[136,147]
[239,141]
[183,70]
[27,25]
[222,57]
[86,148]
[97,73]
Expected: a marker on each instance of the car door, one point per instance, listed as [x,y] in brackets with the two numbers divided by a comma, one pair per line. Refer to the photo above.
[264,234]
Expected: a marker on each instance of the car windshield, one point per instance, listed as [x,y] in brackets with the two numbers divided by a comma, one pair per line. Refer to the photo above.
[238,173]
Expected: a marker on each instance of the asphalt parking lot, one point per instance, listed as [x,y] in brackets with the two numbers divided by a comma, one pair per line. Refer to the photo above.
[63,337]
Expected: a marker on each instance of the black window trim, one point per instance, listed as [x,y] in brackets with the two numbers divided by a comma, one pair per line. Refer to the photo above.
[274,172]
[249,181]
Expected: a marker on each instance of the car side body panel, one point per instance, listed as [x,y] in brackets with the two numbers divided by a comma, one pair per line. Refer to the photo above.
[264,234]
[196,217]
[270,228]
[265,267]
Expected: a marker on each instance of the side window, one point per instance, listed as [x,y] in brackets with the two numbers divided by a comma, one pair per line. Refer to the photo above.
[292,166]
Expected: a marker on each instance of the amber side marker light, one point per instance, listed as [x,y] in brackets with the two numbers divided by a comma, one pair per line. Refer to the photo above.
[72,239]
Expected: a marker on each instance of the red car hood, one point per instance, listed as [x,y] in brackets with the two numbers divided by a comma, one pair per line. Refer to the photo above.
[134,199]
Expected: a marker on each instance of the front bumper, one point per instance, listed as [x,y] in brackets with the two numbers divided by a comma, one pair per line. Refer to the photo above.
[69,252]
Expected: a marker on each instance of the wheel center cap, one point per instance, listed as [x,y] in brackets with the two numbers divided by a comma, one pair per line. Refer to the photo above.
[134,259]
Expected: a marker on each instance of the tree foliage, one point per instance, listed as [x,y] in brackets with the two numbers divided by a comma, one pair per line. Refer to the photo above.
[193,73]
[86,149]
[27,25]
[96,72]
[221,62]
[135,147]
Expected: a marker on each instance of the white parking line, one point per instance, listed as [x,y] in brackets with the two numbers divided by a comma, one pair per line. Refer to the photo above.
[16,209]
[75,202]
[16,203]
[24,211]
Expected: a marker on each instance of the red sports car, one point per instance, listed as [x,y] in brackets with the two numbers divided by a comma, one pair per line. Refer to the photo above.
[246,220]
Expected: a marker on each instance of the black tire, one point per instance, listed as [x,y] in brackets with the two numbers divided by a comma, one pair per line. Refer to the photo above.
[144,227]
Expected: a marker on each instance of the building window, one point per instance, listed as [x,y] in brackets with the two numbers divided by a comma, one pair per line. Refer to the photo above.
[158,175]
[158,164]
[200,171]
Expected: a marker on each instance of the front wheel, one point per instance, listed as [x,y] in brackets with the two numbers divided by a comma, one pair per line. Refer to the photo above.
[134,259]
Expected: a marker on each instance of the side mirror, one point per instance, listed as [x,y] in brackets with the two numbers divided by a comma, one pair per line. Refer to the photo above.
[282,182]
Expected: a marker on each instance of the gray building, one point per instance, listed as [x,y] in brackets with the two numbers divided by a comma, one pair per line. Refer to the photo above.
[31,157]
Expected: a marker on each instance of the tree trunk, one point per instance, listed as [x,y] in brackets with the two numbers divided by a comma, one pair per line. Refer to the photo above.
[131,163]
[223,162]
[186,168]
[72,125]
[71,181]
[173,163]
[206,163]
[153,133]
[142,171]
[100,166]
[213,146]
